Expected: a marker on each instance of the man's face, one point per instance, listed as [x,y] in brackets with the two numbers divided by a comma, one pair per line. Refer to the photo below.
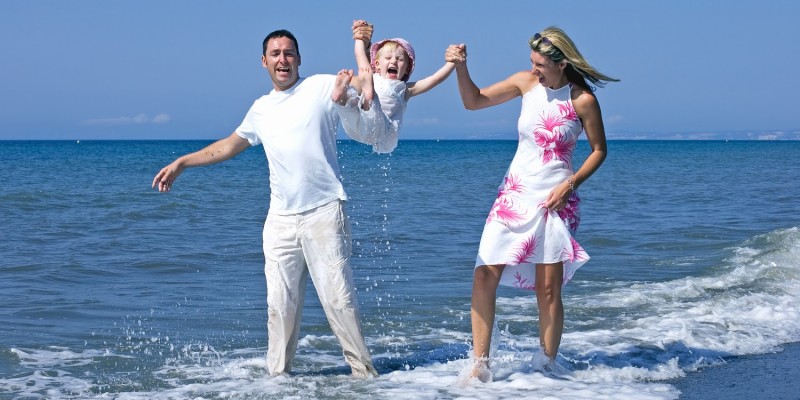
[282,61]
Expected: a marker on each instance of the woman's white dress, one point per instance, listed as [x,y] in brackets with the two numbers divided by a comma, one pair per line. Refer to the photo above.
[519,231]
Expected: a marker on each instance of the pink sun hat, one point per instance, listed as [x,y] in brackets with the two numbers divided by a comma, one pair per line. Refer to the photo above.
[373,52]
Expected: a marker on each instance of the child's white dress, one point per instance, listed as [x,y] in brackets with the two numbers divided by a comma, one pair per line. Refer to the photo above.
[380,125]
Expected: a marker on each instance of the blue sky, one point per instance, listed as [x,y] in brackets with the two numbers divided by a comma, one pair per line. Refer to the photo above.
[184,69]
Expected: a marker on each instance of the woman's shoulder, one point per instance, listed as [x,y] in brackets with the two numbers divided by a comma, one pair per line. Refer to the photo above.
[583,99]
[581,94]
[524,80]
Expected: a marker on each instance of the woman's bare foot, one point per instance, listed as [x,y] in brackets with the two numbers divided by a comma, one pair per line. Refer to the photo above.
[480,370]
[339,95]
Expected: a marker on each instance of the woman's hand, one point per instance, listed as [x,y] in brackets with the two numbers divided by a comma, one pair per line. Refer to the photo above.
[559,196]
[456,53]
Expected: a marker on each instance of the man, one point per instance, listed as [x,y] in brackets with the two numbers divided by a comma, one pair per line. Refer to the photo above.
[306,230]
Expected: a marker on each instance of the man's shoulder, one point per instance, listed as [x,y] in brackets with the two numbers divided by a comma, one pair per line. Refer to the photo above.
[322,76]
[319,79]
[320,84]
[308,88]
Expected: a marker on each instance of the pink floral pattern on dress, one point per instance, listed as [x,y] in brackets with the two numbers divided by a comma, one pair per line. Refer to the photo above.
[567,111]
[554,143]
[563,148]
[505,211]
[575,252]
[523,283]
[524,251]
[504,208]
[513,184]
[570,214]
[549,123]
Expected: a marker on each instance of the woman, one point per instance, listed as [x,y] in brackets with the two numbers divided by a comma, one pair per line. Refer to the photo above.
[527,241]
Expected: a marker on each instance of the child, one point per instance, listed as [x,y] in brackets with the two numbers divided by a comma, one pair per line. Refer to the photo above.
[376,115]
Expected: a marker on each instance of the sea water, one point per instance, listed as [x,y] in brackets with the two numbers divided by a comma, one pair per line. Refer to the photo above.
[111,290]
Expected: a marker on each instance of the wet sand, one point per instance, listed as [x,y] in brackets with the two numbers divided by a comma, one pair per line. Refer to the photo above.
[774,376]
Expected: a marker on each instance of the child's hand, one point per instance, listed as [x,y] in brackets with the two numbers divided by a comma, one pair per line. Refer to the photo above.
[456,53]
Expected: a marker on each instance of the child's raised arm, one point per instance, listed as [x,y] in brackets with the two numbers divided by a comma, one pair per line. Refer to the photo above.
[362,34]
[423,85]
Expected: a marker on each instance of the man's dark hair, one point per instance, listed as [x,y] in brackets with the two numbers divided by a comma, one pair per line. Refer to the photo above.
[279,34]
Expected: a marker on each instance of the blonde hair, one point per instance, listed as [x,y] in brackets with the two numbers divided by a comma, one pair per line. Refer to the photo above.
[390,45]
[553,43]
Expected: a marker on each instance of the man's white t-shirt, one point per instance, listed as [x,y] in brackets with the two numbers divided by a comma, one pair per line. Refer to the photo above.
[297,128]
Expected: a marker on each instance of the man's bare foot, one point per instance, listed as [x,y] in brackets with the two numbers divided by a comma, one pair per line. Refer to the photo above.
[339,95]
[367,91]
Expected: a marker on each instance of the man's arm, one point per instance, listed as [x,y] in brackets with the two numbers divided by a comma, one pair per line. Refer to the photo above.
[218,151]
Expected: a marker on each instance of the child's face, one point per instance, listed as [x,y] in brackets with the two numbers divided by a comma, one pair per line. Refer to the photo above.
[392,63]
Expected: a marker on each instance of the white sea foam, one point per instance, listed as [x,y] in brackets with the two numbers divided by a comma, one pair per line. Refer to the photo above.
[633,338]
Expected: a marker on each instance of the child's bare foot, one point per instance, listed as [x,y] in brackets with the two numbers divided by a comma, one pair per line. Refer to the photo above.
[367,90]
[339,95]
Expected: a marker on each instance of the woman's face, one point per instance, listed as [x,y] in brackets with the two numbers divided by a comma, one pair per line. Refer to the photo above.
[550,74]
[392,64]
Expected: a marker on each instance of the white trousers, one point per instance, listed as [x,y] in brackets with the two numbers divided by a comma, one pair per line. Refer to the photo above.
[317,243]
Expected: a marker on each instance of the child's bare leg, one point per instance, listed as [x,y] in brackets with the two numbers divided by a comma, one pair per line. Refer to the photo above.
[367,90]
[339,94]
